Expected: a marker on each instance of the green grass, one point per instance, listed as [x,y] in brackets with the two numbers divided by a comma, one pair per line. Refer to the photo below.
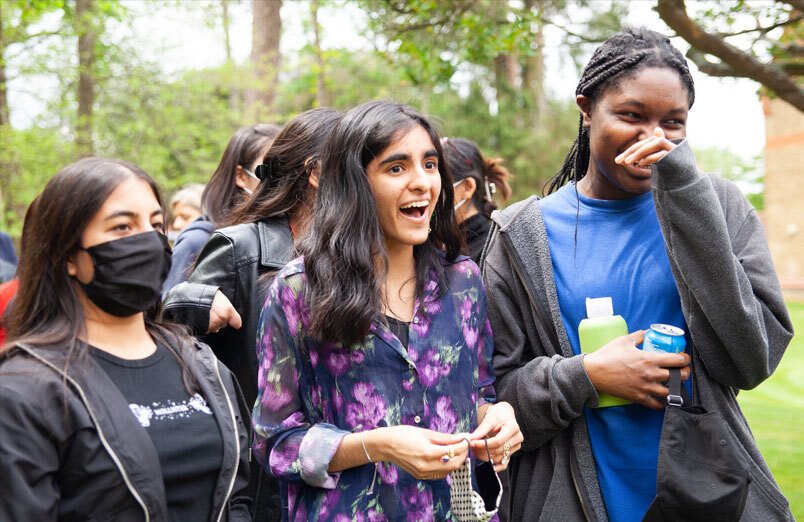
[775,412]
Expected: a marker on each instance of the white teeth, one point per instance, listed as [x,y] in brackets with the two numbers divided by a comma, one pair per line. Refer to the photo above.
[637,165]
[416,204]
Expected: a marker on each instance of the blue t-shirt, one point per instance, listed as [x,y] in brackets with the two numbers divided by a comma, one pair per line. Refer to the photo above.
[619,253]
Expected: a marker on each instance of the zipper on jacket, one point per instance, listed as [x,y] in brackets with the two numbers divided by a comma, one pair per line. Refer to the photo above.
[237,441]
[102,437]
[582,498]
[519,268]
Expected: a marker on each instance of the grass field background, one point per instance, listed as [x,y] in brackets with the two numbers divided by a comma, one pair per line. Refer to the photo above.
[775,412]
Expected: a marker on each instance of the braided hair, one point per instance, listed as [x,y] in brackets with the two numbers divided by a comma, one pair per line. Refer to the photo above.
[618,58]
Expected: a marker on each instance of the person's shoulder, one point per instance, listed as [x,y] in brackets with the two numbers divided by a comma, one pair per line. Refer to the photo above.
[292,275]
[515,212]
[29,377]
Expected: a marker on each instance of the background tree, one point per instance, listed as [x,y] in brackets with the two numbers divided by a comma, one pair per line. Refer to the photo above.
[265,57]
[770,50]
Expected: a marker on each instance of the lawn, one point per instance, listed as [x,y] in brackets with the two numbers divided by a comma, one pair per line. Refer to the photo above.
[775,411]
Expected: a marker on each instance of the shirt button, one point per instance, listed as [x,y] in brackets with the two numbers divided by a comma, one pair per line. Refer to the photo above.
[416,319]
[417,419]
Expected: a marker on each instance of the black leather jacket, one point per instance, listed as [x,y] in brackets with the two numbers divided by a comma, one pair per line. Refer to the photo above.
[233,260]
[71,450]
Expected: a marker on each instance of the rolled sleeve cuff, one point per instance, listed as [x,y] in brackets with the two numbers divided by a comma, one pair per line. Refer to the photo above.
[315,453]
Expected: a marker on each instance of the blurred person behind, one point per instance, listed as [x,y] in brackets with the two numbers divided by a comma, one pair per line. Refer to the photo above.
[225,292]
[185,207]
[232,183]
[476,180]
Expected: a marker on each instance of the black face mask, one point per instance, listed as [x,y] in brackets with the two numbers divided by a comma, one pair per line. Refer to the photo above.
[129,273]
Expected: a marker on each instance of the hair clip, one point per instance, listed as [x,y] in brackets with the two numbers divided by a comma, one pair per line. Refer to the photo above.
[263,171]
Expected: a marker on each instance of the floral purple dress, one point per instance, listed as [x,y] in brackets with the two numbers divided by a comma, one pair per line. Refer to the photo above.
[312,394]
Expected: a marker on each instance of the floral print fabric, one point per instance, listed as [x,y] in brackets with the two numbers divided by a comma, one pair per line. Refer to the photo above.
[311,394]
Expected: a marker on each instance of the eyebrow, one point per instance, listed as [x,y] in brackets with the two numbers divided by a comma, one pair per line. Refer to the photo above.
[406,157]
[128,213]
[639,104]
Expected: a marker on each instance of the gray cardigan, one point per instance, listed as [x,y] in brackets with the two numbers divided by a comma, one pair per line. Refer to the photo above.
[732,303]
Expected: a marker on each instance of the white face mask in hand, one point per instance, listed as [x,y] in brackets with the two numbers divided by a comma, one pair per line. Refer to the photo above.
[467,504]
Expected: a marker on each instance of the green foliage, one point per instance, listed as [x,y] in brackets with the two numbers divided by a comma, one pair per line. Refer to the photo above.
[747,173]
[775,412]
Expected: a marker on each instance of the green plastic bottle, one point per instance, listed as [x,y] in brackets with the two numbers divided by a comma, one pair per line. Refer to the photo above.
[594,332]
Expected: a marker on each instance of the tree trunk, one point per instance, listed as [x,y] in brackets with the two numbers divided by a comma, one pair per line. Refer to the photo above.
[87,36]
[5,114]
[265,57]
[321,92]
[533,70]
[225,21]
[506,73]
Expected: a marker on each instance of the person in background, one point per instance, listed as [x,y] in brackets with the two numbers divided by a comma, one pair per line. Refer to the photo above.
[224,294]
[185,207]
[9,288]
[232,183]
[375,376]
[629,216]
[476,181]
[7,252]
[106,412]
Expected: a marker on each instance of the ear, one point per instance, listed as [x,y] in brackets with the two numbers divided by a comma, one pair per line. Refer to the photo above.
[315,173]
[240,177]
[585,105]
[470,185]
[71,268]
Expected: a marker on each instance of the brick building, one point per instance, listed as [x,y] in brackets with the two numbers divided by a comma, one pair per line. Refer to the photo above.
[784,193]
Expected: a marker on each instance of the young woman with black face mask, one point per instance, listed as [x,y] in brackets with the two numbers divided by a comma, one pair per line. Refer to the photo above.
[106,412]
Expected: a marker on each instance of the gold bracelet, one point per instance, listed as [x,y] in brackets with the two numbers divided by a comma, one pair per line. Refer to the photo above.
[363,442]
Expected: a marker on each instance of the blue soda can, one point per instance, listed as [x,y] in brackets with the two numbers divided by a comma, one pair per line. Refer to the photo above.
[664,338]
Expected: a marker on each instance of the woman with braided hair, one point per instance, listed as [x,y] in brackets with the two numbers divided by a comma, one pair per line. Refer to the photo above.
[628,216]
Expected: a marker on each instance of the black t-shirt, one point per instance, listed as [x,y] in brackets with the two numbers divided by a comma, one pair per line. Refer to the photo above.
[182,428]
[400,329]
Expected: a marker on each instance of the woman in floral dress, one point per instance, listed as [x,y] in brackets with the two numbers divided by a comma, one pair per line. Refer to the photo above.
[375,379]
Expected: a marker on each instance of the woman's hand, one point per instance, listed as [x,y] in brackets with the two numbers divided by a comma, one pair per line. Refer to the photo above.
[500,430]
[425,454]
[621,369]
[222,314]
[648,151]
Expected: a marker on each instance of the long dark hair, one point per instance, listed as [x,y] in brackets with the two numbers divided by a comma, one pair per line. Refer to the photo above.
[288,164]
[466,161]
[247,146]
[618,58]
[47,312]
[345,257]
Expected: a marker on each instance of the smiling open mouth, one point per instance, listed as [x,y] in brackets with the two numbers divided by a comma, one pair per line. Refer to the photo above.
[415,209]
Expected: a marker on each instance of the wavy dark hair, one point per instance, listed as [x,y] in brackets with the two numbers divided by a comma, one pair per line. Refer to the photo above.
[466,161]
[345,256]
[289,162]
[620,57]
[247,146]
[47,312]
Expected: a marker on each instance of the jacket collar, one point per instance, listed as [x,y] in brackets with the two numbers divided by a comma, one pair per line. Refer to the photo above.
[276,242]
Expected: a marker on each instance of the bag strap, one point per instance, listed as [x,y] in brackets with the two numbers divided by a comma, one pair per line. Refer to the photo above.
[677,395]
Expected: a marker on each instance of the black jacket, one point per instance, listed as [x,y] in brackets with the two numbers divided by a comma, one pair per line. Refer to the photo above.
[70,449]
[233,260]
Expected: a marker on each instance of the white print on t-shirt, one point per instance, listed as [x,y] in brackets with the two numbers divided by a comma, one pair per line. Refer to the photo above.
[169,410]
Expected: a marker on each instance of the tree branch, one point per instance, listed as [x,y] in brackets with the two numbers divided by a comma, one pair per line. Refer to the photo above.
[674,13]
[797,4]
[764,30]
